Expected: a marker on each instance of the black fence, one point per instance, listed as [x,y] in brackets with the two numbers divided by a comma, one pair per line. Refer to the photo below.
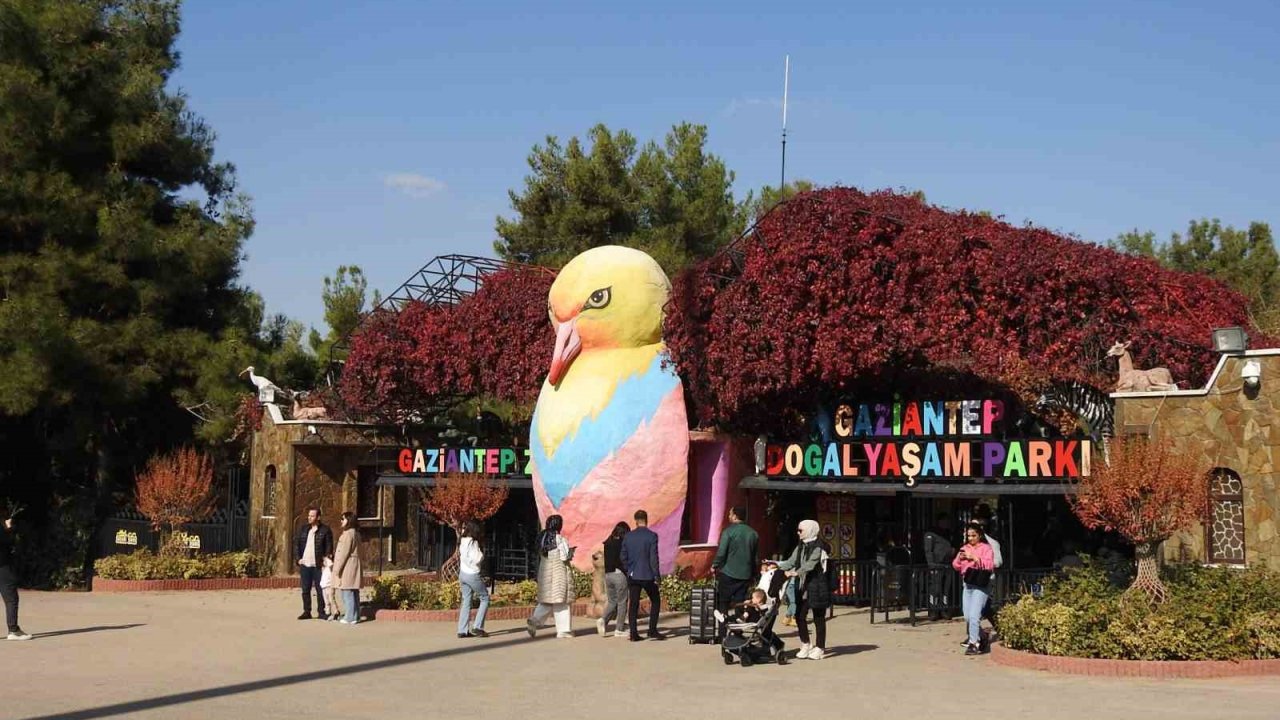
[920,590]
[226,530]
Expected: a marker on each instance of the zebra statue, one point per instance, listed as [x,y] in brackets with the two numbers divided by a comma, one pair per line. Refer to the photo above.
[1093,408]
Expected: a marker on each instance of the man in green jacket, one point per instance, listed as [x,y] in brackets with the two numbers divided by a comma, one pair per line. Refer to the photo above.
[735,562]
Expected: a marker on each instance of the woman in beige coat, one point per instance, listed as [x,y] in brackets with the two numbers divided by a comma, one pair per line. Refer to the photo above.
[346,568]
[555,580]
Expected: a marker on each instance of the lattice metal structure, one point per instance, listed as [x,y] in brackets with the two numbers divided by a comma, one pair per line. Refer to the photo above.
[445,280]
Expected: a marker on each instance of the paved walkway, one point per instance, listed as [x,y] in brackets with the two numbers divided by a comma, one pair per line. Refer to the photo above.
[242,655]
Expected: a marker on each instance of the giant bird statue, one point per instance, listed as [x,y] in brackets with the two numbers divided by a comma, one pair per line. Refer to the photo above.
[609,434]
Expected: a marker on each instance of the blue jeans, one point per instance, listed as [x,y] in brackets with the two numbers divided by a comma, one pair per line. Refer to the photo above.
[351,604]
[791,597]
[973,601]
[472,585]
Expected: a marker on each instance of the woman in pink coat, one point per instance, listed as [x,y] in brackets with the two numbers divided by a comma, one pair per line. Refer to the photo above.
[974,562]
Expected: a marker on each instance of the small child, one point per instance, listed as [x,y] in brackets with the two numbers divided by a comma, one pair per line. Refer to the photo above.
[749,611]
[327,587]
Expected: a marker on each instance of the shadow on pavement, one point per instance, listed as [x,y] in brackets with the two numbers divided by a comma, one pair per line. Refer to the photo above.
[842,650]
[77,631]
[135,706]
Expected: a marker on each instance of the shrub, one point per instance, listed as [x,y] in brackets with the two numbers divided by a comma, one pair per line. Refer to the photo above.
[400,594]
[1210,614]
[675,590]
[146,565]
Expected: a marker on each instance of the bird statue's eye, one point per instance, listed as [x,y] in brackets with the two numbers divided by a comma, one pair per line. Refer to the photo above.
[600,298]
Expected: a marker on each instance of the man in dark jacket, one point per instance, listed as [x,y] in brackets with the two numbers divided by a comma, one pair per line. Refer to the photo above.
[735,561]
[640,559]
[313,543]
[9,582]
[937,555]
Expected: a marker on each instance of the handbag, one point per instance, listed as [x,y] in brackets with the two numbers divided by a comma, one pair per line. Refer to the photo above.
[977,577]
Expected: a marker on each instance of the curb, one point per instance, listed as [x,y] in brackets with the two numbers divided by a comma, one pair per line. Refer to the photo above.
[107,585]
[509,612]
[1097,667]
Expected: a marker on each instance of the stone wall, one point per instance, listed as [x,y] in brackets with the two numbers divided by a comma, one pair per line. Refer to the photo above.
[320,470]
[1222,426]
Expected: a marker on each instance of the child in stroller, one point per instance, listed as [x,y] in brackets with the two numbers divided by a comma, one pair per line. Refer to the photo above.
[751,638]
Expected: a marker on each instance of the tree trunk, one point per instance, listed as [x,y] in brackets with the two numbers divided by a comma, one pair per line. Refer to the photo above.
[1148,580]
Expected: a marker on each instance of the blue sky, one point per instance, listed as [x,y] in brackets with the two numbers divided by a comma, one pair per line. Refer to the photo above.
[386,133]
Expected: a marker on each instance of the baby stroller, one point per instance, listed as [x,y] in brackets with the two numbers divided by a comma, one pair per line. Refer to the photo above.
[753,643]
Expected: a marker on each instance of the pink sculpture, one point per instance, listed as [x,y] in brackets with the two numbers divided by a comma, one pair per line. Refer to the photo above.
[1155,379]
[609,434]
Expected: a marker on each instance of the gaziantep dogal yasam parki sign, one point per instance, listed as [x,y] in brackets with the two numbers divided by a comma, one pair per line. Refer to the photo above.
[944,440]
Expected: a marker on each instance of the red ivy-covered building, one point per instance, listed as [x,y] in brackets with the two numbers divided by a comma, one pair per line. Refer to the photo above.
[864,358]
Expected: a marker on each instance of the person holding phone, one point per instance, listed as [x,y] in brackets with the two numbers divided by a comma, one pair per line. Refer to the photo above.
[9,583]
[555,580]
[974,562]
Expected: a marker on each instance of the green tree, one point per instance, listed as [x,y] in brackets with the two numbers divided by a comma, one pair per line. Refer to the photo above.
[120,244]
[1246,260]
[755,206]
[345,298]
[671,200]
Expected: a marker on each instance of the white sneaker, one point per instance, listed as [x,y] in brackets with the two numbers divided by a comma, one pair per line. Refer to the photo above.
[817,653]
[345,621]
[19,636]
[600,627]
[564,634]
[804,652]
[620,633]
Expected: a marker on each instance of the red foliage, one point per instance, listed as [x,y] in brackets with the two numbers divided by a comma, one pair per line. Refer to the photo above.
[1148,492]
[176,489]
[495,342]
[459,499]
[504,339]
[839,289]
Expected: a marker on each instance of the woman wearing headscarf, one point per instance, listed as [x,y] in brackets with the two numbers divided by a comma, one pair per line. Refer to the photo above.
[555,580]
[808,565]
[615,582]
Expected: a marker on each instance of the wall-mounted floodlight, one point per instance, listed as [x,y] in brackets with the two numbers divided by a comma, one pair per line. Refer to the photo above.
[1230,340]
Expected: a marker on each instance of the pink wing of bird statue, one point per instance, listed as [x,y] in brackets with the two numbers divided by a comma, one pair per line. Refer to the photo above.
[609,434]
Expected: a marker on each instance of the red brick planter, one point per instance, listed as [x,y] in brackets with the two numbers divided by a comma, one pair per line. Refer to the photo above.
[101,584]
[1001,655]
[511,612]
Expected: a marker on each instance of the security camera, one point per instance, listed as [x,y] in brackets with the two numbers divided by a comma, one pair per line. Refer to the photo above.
[1251,374]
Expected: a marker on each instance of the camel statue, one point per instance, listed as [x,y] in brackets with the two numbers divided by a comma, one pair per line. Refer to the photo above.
[1155,379]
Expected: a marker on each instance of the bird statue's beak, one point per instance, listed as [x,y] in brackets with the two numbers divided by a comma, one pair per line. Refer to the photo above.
[568,345]
[242,372]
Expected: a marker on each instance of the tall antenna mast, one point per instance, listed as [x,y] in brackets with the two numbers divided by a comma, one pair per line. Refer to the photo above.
[786,81]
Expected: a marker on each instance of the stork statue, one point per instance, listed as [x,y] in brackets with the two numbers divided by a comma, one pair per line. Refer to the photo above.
[264,385]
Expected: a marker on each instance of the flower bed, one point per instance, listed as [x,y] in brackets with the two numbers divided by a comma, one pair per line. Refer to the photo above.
[418,599]
[146,565]
[1211,614]
[1133,668]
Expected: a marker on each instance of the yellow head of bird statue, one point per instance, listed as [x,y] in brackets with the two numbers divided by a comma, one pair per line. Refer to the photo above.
[609,435]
